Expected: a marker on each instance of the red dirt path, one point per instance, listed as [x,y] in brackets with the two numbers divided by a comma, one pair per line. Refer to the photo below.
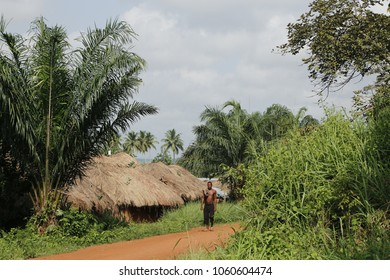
[162,247]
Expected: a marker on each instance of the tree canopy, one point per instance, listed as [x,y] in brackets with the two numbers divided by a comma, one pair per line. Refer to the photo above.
[344,39]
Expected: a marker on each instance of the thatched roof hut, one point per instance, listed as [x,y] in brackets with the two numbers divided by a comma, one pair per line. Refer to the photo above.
[122,186]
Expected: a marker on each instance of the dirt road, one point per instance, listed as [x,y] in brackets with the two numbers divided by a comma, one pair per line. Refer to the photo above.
[162,247]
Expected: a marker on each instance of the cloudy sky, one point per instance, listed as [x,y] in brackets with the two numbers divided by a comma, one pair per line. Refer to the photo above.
[199,53]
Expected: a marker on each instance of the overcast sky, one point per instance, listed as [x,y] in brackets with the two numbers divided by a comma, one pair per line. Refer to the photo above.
[199,53]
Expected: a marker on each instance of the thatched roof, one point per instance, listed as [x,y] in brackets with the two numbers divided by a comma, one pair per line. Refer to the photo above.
[119,180]
[176,178]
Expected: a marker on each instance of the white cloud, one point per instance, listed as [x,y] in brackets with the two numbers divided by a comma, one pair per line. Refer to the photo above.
[143,17]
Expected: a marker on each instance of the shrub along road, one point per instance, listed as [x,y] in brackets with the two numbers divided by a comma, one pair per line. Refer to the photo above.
[161,247]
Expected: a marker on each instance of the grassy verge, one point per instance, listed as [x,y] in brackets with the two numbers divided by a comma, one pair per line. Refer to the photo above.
[26,243]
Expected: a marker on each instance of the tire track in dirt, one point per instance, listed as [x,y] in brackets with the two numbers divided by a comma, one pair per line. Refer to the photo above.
[161,247]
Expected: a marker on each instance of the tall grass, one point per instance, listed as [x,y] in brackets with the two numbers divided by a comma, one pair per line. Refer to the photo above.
[77,230]
[319,196]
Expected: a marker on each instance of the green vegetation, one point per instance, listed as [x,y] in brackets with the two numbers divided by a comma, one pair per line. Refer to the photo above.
[321,196]
[60,107]
[164,158]
[224,138]
[142,141]
[307,189]
[324,195]
[77,229]
[324,192]
[230,138]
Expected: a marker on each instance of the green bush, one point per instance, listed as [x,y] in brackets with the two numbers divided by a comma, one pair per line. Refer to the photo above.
[310,193]
[73,222]
[107,221]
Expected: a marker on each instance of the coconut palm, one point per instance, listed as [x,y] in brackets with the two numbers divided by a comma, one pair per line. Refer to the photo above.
[173,142]
[150,140]
[131,145]
[142,142]
[146,141]
[62,105]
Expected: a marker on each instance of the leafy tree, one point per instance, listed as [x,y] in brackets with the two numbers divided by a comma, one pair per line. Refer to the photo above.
[308,121]
[344,39]
[63,106]
[305,122]
[151,141]
[173,142]
[277,120]
[146,141]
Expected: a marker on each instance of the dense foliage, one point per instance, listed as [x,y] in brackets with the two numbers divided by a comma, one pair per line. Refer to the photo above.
[320,196]
[324,194]
[60,106]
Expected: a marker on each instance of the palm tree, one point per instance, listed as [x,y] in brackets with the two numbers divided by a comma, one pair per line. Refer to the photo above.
[150,140]
[114,146]
[277,120]
[131,144]
[302,120]
[141,141]
[224,138]
[173,142]
[146,141]
[64,106]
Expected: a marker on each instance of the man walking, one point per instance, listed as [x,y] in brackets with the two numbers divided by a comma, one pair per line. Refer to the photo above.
[209,206]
